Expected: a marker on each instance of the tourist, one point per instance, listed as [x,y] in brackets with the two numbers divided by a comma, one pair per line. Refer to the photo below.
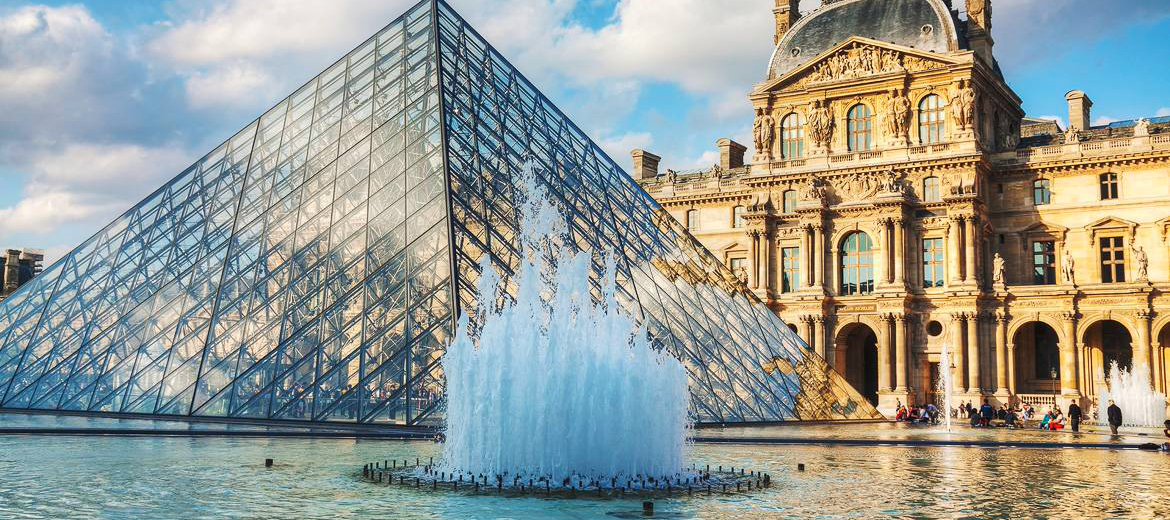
[1010,419]
[985,413]
[1057,421]
[1114,417]
[932,413]
[1044,422]
[1074,416]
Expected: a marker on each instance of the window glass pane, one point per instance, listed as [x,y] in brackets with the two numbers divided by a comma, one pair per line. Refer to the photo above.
[791,266]
[933,269]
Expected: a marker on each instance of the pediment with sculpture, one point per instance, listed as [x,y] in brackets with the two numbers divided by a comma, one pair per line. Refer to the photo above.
[857,58]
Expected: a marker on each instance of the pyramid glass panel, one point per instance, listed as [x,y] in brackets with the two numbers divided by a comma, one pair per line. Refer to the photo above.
[313,266]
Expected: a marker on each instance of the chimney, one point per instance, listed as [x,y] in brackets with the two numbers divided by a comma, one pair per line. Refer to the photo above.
[645,164]
[979,29]
[1079,110]
[730,153]
[787,13]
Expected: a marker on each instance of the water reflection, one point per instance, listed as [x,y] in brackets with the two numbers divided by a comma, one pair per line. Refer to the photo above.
[144,477]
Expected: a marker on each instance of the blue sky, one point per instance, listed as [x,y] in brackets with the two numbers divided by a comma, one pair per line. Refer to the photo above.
[101,101]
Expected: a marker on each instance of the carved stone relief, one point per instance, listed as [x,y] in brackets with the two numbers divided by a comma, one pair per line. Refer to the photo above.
[862,60]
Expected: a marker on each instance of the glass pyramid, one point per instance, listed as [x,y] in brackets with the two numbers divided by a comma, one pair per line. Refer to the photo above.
[312,267]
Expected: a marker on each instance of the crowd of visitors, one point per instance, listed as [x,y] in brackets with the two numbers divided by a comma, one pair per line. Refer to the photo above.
[1014,416]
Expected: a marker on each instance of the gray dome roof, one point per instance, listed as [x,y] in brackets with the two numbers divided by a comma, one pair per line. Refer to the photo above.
[903,22]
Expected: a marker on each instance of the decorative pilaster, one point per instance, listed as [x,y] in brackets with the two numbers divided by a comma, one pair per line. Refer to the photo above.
[954,249]
[884,350]
[902,363]
[1068,356]
[818,254]
[1141,351]
[959,350]
[971,241]
[974,359]
[807,253]
[755,276]
[899,253]
[819,340]
[1001,355]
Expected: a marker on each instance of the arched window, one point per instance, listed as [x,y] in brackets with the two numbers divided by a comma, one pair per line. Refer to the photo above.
[856,264]
[930,190]
[692,220]
[1041,192]
[789,201]
[931,120]
[792,136]
[737,217]
[1108,186]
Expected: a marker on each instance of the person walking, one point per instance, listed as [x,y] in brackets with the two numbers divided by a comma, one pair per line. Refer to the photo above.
[1114,417]
[1074,416]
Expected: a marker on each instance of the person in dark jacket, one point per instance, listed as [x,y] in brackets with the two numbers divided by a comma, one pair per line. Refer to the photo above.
[1114,417]
[1074,416]
[985,413]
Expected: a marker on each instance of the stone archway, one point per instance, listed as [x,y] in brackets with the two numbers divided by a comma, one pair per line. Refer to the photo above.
[1037,358]
[857,359]
[1107,341]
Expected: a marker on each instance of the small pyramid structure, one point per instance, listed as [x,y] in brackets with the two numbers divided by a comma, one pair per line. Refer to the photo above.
[312,267]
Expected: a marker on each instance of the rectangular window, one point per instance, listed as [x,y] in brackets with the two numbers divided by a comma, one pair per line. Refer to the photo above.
[1112,260]
[790,281]
[930,190]
[1044,262]
[933,268]
[693,220]
[738,266]
[1108,186]
[737,217]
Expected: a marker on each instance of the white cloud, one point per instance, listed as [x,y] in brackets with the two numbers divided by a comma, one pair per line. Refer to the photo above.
[80,183]
[1103,120]
[618,147]
[1162,112]
[1059,120]
[237,84]
[44,48]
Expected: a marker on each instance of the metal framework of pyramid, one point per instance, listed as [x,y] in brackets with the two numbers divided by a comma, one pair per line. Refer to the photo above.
[313,266]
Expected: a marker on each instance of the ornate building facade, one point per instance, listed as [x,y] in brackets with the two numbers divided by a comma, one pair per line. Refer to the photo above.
[900,200]
[17,267]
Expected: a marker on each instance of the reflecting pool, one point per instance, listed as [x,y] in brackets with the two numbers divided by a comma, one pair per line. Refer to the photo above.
[152,477]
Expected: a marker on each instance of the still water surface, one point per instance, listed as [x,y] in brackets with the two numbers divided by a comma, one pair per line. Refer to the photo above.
[150,477]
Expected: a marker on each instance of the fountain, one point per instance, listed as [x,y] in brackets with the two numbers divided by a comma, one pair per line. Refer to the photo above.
[1140,404]
[552,385]
[945,390]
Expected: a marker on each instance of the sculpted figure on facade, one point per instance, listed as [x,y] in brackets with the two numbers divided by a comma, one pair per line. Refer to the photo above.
[1068,267]
[963,106]
[891,182]
[1072,136]
[764,133]
[898,117]
[863,60]
[820,124]
[979,11]
[813,190]
[1141,263]
[1142,128]
[999,267]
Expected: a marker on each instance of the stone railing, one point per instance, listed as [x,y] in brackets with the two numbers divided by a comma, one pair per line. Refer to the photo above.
[1041,402]
[1086,148]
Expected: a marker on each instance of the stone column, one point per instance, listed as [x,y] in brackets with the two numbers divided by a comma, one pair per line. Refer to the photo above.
[974,357]
[1068,356]
[902,363]
[822,346]
[899,253]
[971,241]
[884,349]
[959,351]
[806,332]
[819,254]
[807,255]
[887,272]
[755,274]
[1001,355]
[768,243]
[1011,368]
[954,234]
[1141,351]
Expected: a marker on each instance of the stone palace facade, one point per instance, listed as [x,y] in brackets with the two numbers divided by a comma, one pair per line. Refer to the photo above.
[900,200]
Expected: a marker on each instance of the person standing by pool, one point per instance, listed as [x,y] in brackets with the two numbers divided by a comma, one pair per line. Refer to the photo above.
[1074,416]
[1114,417]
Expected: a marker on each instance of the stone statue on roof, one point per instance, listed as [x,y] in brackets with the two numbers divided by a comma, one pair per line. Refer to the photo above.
[1142,128]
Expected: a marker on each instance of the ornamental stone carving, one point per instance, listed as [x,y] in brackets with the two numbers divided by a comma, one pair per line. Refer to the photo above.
[1072,136]
[813,190]
[963,107]
[898,118]
[859,186]
[1068,267]
[862,60]
[999,266]
[891,182]
[1141,263]
[764,132]
[1142,128]
[820,124]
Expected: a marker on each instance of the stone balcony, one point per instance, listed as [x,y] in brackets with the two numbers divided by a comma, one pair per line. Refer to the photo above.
[1084,149]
